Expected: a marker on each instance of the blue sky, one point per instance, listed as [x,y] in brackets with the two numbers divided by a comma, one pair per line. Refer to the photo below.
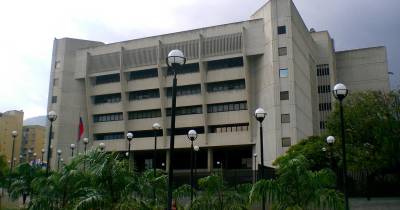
[29,27]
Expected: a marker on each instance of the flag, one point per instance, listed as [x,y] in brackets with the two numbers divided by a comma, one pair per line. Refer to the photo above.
[80,129]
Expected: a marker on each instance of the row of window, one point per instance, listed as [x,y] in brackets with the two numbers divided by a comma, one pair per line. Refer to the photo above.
[226,85]
[144,94]
[144,114]
[229,128]
[322,69]
[186,110]
[325,106]
[185,69]
[284,95]
[227,107]
[110,78]
[322,124]
[109,136]
[185,90]
[225,63]
[108,98]
[324,89]
[143,74]
[107,117]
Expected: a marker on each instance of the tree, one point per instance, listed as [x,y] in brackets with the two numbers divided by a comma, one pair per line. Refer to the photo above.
[372,129]
[297,187]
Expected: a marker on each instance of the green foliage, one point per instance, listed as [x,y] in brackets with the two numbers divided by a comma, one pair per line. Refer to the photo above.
[298,188]
[372,127]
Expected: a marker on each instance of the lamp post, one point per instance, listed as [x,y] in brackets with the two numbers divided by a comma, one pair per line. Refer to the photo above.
[14,134]
[340,92]
[174,60]
[85,142]
[59,152]
[192,135]
[42,154]
[156,127]
[52,116]
[20,158]
[72,146]
[34,157]
[129,137]
[255,168]
[102,146]
[29,155]
[196,150]
[260,116]
[330,140]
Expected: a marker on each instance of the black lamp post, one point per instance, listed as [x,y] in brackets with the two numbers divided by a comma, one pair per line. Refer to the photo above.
[260,116]
[102,146]
[85,142]
[156,127]
[29,155]
[59,152]
[174,60]
[192,135]
[20,158]
[72,146]
[34,158]
[196,150]
[52,116]
[255,168]
[42,154]
[330,140]
[14,134]
[129,137]
[340,92]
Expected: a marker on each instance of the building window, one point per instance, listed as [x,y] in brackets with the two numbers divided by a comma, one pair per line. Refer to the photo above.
[144,114]
[107,117]
[281,30]
[229,128]
[185,69]
[324,89]
[108,98]
[322,124]
[185,90]
[146,133]
[322,69]
[285,118]
[107,79]
[227,107]
[54,99]
[186,110]
[109,136]
[286,142]
[284,95]
[143,74]
[283,73]
[144,94]
[184,131]
[55,82]
[282,51]
[225,63]
[325,106]
[226,85]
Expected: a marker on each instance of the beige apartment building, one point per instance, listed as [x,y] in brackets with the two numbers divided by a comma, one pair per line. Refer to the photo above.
[271,61]
[11,121]
[33,138]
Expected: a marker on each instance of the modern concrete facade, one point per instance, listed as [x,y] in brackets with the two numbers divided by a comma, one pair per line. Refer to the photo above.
[271,61]
[33,137]
[10,121]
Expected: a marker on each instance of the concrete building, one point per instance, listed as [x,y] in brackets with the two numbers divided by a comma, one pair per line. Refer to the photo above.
[271,61]
[33,138]
[10,121]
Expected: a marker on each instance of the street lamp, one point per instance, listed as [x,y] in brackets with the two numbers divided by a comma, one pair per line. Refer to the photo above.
[260,116]
[192,135]
[14,134]
[330,140]
[340,92]
[42,154]
[102,146]
[72,146]
[59,152]
[174,60]
[29,155]
[52,116]
[129,137]
[34,157]
[20,158]
[156,128]
[255,168]
[85,142]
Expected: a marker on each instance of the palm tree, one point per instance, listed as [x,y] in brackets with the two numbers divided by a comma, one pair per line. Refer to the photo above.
[296,187]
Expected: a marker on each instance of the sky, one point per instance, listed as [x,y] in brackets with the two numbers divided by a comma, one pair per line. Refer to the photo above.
[28,29]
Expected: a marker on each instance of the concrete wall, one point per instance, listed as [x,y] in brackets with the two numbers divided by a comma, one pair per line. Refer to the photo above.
[363,69]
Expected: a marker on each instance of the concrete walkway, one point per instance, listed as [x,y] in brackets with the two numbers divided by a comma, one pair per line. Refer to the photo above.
[375,203]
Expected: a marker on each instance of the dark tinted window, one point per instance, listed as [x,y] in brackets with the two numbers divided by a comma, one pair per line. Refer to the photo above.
[322,69]
[186,110]
[282,51]
[144,114]
[185,90]
[142,74]
[185,69]
[225,63]
[281,29]
[107,79]
[108,98]
[324,89]
[284,95]
[107,117]
[227,107]
[144,94]
[226,85]
[109,136]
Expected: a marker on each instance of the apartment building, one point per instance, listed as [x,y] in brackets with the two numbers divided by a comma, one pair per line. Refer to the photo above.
[271,61]
[10,121]
[33,138]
